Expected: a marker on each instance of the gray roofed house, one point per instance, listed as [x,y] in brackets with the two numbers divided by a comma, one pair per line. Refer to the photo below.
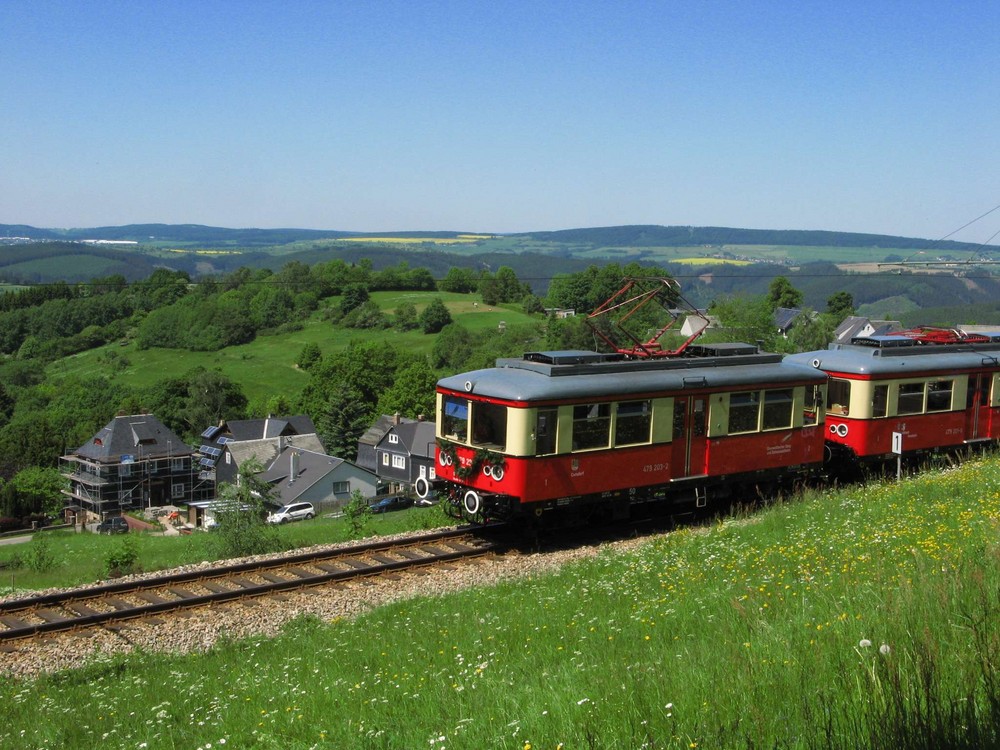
[134,461]
[373,435]
[857,326]
[301,475]
[406,452]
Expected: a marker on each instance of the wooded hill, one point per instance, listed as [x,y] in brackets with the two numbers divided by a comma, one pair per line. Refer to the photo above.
[820,263]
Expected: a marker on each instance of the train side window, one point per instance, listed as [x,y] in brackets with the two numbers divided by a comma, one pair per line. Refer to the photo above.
[939,395]
[995,398]
[839,396]
[489,425]
[777,409]
[633,420]
[880,401]
[545,431]
[744,412]
[911,399]
[455,418]
[591,426]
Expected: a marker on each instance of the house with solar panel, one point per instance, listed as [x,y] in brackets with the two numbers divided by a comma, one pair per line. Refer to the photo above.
[134,462]
[226,446]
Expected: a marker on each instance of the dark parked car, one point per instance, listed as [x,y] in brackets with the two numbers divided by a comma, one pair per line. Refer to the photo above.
[396,502]
[114,525]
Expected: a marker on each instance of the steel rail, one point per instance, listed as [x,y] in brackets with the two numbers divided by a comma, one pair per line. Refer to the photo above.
[11,610]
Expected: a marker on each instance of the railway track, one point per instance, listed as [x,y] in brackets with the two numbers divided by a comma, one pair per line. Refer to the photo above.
[111,604]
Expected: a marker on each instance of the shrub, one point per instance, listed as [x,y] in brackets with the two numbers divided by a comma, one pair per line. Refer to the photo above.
[39,556]
[358,514]
[123,559]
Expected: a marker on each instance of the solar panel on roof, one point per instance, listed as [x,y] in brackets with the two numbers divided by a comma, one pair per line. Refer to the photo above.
[211,432]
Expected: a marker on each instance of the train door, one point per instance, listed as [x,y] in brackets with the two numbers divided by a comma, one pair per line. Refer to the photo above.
[690,440]
[977,406]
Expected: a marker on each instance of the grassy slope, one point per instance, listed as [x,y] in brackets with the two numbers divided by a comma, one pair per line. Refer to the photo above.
[866,617]
[266,365]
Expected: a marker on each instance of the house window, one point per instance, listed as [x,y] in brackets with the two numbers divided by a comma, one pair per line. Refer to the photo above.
[177,464]
[341,488]
[125,495]
[177,490]
[385,459]
[125,470]
[399,462]
[393,438]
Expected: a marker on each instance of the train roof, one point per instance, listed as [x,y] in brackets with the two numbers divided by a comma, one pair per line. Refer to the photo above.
[899,355]
[570,375]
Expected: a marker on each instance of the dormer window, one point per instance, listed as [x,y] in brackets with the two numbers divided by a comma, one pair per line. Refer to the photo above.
[393,438]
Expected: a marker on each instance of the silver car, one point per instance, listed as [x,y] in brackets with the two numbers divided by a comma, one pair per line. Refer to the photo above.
[292,512]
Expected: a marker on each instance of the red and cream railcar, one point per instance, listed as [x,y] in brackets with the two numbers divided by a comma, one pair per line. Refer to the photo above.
[934,395]
[564,430]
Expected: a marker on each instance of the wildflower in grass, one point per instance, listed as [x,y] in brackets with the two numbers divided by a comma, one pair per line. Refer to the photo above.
[864,643]
[884,649]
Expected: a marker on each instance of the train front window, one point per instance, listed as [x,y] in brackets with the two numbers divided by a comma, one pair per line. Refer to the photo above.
[455,418]
[591,426]
[777,409]
[633,423]
[489,425]
[839,396]
[939,395]
[911,398]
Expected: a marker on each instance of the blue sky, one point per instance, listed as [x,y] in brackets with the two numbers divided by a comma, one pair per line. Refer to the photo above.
[502,116]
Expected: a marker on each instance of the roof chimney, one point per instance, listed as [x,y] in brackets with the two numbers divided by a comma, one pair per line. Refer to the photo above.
[395,418]
[294,471]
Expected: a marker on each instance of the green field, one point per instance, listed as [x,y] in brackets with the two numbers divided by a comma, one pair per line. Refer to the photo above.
[867,617]
[266,366]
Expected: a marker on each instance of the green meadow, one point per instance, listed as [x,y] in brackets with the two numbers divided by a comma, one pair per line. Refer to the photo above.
[266,366]
[862,617]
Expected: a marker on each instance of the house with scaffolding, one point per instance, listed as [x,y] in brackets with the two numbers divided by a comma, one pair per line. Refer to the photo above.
[134,462]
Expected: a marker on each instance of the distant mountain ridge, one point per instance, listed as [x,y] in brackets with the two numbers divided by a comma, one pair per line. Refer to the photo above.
[641,235]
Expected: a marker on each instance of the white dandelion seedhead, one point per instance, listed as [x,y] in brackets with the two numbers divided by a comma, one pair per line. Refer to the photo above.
[865,643]
[884,649]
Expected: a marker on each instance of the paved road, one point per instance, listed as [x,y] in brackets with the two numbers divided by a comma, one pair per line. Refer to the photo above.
[15,539]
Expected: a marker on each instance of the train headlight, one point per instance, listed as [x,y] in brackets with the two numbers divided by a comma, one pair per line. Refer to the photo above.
[842,430]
